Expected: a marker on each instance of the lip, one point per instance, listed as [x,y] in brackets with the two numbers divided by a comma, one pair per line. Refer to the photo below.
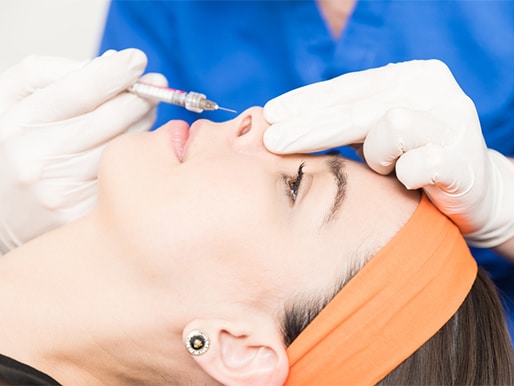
[178,133]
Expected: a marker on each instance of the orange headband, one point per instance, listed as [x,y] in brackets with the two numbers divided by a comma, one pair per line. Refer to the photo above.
[390,308]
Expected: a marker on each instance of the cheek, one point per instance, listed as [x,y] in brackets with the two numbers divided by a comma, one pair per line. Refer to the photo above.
[227,219]
[131,168]
[219,216]
[194,215]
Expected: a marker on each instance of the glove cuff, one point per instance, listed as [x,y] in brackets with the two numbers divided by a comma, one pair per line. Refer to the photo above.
[500,226]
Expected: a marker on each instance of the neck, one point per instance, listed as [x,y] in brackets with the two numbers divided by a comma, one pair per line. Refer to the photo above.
[73,308]
[336,14]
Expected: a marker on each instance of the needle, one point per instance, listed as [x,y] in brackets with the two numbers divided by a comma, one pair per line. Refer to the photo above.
[225,109]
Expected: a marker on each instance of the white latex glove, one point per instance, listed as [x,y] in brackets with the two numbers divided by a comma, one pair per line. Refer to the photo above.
[414,118]
[56,115]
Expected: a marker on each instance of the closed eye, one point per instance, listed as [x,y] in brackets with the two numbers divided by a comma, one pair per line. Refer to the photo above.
[292,183]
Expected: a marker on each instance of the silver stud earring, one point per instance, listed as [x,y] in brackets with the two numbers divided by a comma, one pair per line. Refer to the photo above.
[197,343]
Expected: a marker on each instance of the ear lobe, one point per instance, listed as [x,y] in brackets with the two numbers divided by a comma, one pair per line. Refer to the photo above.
[243,356]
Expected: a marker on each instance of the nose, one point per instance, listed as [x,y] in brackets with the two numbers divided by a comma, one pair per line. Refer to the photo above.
[243,133]
[248,129]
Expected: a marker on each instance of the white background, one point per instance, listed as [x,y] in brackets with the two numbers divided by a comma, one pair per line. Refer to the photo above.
[70,28]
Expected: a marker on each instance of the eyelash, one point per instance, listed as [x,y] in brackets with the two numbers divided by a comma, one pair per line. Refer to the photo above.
[293,183]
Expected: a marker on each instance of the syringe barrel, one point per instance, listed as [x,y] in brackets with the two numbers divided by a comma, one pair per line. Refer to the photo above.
[192,101]
[162,94]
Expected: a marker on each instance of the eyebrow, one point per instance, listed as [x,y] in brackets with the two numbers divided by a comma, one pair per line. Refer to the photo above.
[336,166]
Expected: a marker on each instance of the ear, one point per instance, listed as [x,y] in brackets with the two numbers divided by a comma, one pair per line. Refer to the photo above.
[241,353]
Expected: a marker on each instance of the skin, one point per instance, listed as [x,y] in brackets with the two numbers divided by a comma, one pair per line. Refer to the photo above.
[335,14]
[205,239]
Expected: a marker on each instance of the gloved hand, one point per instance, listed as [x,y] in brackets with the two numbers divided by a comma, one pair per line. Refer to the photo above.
[56,115]
[414,118]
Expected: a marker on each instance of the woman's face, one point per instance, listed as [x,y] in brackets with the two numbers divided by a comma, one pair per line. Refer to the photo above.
[209,208]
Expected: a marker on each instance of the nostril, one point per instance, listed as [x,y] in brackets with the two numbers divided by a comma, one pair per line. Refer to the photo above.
[245,126]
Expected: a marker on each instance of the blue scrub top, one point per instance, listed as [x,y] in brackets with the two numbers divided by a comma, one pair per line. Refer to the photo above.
[243,53]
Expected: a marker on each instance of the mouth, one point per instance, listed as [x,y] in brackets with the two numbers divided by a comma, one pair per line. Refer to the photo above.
[179,133]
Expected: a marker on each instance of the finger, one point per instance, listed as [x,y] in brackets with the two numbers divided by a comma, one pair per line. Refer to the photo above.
[329,127]
[148,120]
[374,95]
[435,167]
[33,161]
[119,114]
[72,199]
[390,85]
[399,131]
[145,123]
[346,88]
[109,120]
[85,89]
[155,79]
[115,117]
[79,134]
[74,167]
[33,73]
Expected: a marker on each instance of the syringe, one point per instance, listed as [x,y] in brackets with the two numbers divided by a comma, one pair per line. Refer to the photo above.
[192,101]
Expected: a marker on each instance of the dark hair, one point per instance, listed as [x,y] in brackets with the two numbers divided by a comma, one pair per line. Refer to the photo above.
[301,310]
[472,348]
